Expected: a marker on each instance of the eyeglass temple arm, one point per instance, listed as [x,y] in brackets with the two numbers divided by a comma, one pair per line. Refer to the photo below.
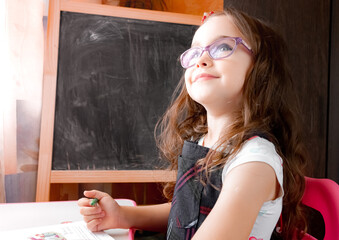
[245,44]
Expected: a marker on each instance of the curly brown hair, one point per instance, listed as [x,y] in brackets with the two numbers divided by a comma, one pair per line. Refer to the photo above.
[270,107]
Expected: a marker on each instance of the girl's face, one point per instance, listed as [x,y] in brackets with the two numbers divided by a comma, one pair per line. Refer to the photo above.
[217,84]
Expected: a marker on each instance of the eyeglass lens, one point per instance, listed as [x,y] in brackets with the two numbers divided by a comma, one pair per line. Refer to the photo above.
[217,50]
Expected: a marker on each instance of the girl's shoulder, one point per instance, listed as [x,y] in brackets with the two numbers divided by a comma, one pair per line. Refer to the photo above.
[257,146]
[257,149]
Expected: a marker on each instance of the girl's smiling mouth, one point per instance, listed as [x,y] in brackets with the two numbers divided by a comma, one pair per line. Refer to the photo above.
[203,76]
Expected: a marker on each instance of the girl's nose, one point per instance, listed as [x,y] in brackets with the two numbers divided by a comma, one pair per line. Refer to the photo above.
[204,60]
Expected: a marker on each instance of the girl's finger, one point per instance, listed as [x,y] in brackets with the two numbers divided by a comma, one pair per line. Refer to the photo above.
[84,202]
[87,211]
[94,225]
[95,194]
[95,216]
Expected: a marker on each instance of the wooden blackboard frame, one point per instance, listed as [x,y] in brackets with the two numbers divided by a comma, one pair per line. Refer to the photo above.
[47,176]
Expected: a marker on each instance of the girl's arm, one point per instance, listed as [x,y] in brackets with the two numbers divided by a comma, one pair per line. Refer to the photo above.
[108,214]
[152,218]
[245,189]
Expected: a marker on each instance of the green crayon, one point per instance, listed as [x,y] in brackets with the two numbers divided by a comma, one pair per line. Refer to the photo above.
[94,201]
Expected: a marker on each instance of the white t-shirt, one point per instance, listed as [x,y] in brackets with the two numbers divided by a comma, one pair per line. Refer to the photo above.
[258,149]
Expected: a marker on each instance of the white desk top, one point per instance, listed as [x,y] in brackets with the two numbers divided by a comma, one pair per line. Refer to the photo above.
[27,215]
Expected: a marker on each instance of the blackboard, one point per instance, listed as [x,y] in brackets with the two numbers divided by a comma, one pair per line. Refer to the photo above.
[115,78]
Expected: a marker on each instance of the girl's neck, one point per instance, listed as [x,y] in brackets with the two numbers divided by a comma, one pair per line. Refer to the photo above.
[217,127]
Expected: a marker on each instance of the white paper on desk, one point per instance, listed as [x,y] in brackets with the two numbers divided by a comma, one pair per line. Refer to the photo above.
[68,231]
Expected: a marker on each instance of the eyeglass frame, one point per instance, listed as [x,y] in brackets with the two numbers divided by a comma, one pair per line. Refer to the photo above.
[238,40]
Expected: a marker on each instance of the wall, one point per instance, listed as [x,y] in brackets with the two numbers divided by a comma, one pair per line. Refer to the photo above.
[308,27]
[333,113]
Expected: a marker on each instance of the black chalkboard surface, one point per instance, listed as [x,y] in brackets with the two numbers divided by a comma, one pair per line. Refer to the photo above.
[115,79]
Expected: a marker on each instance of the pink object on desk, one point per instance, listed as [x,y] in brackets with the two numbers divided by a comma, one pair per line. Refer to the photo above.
[37,214]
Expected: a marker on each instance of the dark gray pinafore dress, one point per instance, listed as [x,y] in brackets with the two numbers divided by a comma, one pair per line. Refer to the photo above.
[191,201]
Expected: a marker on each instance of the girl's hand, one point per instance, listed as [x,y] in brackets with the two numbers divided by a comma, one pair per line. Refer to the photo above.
[104,215]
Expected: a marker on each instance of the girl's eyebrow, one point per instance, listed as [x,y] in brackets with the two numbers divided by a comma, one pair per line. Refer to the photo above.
[194,43]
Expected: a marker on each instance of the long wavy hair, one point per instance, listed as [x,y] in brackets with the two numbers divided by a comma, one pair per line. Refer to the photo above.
[269,107]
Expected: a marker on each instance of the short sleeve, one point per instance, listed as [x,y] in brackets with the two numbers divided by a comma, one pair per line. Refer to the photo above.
[257,149]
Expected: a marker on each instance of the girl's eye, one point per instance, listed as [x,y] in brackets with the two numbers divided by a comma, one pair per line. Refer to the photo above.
[221,50]
[224,47]
[192,55]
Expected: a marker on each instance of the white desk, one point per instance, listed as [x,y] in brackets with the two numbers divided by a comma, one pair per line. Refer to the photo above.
[27,215]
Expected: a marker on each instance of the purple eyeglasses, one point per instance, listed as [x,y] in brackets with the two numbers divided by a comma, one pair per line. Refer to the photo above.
[221,48]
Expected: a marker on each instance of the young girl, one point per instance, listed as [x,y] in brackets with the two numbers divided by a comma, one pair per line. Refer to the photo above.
[232,135]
